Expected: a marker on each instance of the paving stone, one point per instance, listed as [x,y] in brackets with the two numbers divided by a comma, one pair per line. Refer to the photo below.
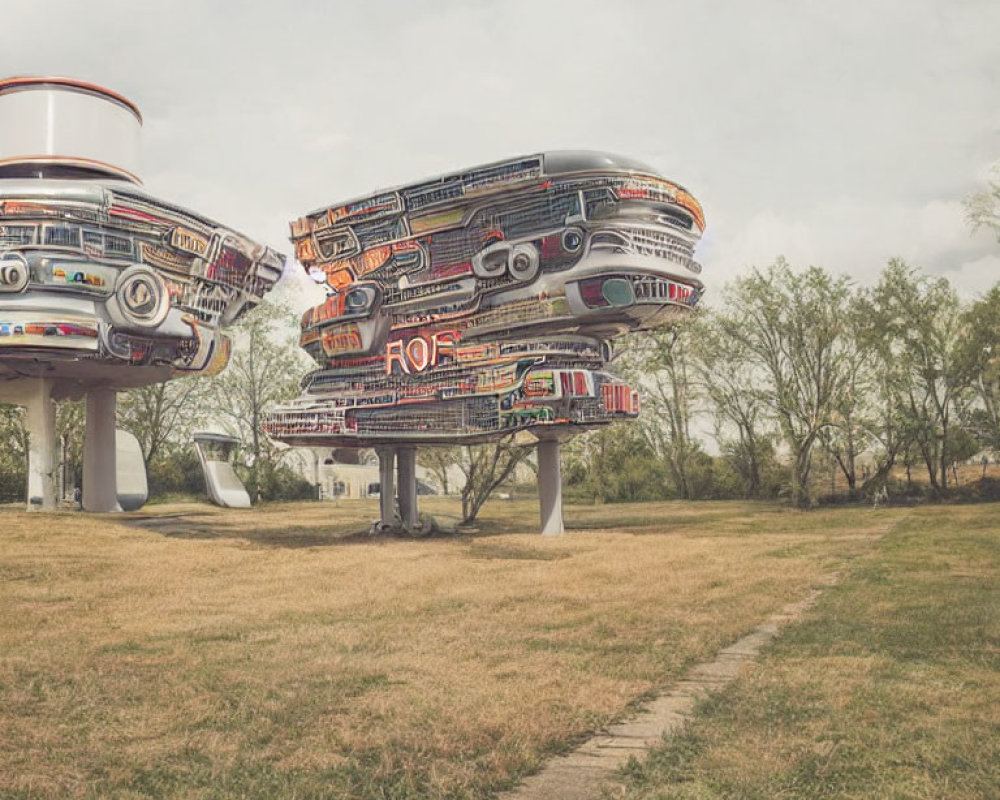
[639,729]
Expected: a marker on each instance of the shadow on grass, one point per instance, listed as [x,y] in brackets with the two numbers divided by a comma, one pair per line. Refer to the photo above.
[222,524]
[310,525]
[208,527]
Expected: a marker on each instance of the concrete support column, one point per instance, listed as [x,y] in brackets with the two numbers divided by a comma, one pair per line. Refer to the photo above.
[100,478]
[550,486]
[406,467]
[40,420]
[387,491]
[317,489]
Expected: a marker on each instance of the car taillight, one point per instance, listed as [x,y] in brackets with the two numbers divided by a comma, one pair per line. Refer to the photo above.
[590,292]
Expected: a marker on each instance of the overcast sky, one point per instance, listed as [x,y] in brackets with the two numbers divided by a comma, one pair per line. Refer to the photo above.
[838,134]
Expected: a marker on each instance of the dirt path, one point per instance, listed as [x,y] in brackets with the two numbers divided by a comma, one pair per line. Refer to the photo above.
[582,774]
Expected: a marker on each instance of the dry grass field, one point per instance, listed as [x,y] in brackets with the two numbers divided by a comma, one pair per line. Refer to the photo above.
[888,688]
[279,652]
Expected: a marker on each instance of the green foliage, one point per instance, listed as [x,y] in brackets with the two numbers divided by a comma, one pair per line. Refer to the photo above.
[71,416]
[749,468]
[438,461]
[486,468]
[980,349]
[983,208]
[276,482]
[175,472]
[265,370]
[614,465]
[617,465]
[915,324]
[164,414]
[728,380]
[660,364]
[961,444]
[790,329]
[13,454]
[14,447]
[796,361]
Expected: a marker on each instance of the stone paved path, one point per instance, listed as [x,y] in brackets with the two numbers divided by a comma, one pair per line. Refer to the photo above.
[582,774]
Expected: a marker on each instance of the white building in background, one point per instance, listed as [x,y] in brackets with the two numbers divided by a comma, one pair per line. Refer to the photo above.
[338,480]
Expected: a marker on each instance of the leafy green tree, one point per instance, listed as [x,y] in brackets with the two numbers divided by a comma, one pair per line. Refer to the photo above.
[265,370]
[983,208]
[980,348]
[164,414]
[892,431]
[615,464]
[13,453]
[487,467]
[659,365]
[789,325]
[439,461]
[71,420]
[854,414]
[176,471]
[14,447]
[730,381]
[918,324]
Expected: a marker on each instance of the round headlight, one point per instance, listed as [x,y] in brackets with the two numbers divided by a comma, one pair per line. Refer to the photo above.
[14,273]
[357,300]
[524,263]
[572,240]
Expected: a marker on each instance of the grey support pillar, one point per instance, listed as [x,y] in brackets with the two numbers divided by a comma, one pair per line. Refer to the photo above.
[406,466]
[316,485]
[100,480]
[387,491]
[41,423]
[550,486]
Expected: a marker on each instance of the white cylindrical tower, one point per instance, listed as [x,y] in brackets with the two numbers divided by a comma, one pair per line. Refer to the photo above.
[52,125]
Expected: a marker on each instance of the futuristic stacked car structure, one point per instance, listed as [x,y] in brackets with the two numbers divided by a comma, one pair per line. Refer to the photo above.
[100,277]
[100,271]
[480,303]
[103,286]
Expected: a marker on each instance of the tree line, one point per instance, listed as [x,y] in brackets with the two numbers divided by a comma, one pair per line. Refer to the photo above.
[794,367]
[791,369]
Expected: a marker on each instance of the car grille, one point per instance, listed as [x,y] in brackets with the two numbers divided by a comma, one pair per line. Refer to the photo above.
[648,242]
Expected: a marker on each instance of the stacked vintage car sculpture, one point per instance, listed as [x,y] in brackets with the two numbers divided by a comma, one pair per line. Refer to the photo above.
[102,285]
[481,304]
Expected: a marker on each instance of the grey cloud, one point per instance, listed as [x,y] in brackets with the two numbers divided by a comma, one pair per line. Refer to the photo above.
[822,131]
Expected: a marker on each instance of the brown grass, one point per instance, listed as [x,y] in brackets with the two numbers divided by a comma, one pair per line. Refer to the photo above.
[192,652]
[888,688]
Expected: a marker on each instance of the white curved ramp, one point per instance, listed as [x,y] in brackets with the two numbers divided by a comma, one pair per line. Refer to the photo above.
[131,486]
[224,488]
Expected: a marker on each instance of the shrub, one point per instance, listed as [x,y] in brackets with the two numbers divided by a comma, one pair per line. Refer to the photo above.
[13,484]
[176,473]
